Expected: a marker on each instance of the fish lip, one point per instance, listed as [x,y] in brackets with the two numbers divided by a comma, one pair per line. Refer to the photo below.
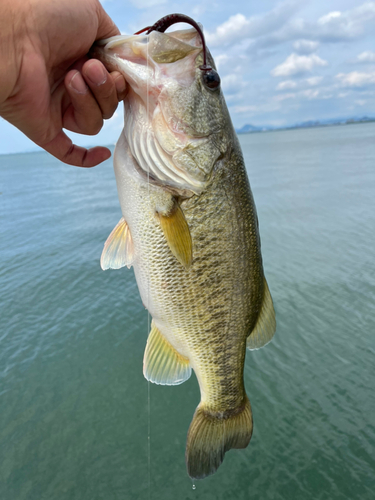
[117,40]
[135,49]
[101,50]
[117,54]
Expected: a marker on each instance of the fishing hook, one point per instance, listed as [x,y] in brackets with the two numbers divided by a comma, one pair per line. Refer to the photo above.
[165,22]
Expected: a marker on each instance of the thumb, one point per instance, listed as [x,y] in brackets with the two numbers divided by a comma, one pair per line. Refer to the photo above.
[106,27]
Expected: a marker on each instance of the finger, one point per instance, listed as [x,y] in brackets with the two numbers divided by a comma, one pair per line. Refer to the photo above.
[121,86]
[62,148]
[84,114]
[102,86]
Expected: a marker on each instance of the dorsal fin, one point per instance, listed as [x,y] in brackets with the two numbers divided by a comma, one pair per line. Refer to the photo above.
[265,328]
[118,250]
[162,364]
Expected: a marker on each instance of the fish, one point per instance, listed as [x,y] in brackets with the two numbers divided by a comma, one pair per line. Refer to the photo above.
[190,230]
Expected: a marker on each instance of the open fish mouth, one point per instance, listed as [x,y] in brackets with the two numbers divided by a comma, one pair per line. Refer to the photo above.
[174,121]
[155,66]
[151,62]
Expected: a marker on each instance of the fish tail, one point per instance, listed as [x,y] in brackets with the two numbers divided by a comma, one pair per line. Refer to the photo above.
[212,434]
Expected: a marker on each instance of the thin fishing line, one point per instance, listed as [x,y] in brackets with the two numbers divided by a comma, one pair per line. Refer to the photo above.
[148,297]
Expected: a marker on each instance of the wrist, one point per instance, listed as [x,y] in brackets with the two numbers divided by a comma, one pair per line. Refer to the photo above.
[12,35]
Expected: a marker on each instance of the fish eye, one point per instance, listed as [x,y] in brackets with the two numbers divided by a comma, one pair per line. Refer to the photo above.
[211,79]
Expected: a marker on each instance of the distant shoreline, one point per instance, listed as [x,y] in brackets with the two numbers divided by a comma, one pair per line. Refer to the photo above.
[305,125]
[255,130]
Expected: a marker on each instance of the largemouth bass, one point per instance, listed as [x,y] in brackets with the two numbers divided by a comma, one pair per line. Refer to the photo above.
[190,230]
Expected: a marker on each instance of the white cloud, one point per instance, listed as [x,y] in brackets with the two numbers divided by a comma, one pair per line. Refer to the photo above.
[333,27]
[310,93]
[283,97]
[360,102]
[286,85]
[356,79]
[305,95]
[295,64]
[305,46]
[364,12]
[198,10]
[291,84]
[228,30]
[239,26]
[349,24]
[314,80]
[221,60]
[262,107]
[302,84]
[245,109]
[232,83]
[332,16]
[366,56]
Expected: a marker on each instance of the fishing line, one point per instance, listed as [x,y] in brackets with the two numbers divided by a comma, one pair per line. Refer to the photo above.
[148,296]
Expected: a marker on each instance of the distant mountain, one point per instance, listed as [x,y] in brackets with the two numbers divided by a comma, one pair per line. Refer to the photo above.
[248,128]
[307,124]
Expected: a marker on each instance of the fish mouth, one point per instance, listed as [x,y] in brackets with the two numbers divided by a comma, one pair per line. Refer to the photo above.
[156,66]
[150,62]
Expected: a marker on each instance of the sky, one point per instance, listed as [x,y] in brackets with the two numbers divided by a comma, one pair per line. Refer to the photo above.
[280,63]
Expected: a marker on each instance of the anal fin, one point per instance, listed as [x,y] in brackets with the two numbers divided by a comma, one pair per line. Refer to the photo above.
[162,364]
[118,250]
[265,328]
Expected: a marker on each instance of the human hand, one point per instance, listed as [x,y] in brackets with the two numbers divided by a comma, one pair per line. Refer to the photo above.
[49,83]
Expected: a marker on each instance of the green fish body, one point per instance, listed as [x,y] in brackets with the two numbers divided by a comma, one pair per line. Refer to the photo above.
[190,230]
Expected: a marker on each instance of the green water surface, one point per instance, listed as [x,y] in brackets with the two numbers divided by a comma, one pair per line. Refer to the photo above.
[76,413]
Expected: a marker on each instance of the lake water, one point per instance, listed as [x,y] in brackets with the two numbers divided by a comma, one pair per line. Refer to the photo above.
[74,406]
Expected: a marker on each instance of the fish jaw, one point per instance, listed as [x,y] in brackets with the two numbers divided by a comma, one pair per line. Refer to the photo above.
[151,63]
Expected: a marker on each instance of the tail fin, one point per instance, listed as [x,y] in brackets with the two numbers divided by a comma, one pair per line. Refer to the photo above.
[211,435]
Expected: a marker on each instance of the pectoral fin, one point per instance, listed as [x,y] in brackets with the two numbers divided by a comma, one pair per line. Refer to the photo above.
[118,250]
[162,364]
[177,234]
[266,325]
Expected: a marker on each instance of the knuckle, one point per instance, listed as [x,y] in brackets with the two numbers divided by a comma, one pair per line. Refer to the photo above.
[91,126]
[91,121]
[109,113]
[66,157]
[96,128]
[106,94]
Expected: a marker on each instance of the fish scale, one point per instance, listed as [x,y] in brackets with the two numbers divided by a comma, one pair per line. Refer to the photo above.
[195,251]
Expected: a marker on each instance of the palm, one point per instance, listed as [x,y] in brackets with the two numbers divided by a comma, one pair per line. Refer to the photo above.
[43,101]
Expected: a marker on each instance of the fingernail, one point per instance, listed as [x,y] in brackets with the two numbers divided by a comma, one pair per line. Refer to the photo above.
[78,84]
[96,73]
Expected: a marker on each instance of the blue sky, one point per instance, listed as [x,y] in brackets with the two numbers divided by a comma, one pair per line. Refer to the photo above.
[280,62]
